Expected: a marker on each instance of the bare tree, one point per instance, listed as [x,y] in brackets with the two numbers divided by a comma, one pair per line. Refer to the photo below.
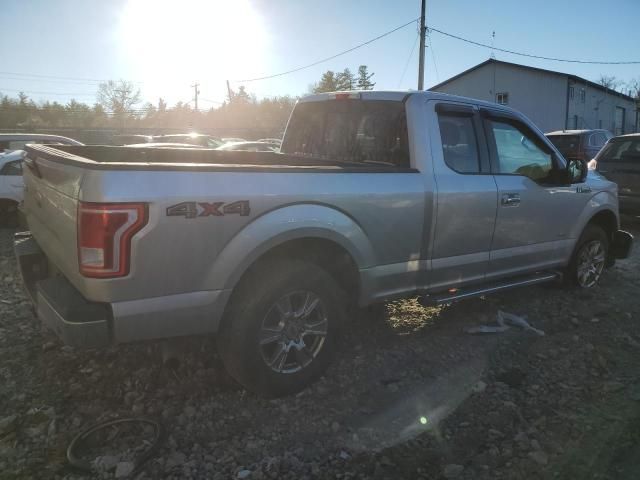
[609,81]
[118,97]
[633,86]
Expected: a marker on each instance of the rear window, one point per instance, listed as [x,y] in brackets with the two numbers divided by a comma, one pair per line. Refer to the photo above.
[621,150]
[565,143]
[350,130]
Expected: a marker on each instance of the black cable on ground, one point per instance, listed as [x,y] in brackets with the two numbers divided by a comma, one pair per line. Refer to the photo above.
[77,441]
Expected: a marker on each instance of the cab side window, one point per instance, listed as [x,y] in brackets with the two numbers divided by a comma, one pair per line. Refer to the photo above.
[459,143]
[519,152]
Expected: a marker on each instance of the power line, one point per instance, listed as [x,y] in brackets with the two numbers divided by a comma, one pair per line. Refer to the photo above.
[406,65]
[513,52]
[54,77]
[328,58]
[433,56]
[2,89]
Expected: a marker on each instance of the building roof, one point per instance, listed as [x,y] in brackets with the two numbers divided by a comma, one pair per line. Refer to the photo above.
[575,78]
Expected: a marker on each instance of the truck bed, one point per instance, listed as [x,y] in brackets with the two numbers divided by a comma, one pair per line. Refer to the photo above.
[103,157]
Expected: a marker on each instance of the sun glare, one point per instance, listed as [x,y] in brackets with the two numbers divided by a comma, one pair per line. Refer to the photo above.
[171,43]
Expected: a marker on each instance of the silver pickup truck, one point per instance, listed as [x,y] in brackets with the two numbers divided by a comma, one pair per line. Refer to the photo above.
[374,196]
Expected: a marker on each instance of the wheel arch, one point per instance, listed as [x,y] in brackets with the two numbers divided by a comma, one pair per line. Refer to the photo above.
[314,233]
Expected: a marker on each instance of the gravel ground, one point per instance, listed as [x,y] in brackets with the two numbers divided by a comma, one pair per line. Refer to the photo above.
[411,395]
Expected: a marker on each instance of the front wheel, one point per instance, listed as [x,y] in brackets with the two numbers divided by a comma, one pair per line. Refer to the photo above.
[281,328]
[589,257]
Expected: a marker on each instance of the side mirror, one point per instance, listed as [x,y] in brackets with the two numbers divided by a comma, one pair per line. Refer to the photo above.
[577,171]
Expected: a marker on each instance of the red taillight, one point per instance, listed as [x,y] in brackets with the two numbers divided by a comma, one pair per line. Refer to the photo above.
[104,237]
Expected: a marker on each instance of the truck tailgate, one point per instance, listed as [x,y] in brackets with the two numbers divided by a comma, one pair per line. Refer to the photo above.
[50,206]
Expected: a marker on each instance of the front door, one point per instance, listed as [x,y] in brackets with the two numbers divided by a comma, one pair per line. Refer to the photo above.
[466,198]
[535,213]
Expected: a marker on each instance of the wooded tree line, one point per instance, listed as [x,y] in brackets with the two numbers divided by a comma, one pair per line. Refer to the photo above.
[118,105]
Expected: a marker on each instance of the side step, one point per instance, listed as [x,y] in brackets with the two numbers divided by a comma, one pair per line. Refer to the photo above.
[454,295]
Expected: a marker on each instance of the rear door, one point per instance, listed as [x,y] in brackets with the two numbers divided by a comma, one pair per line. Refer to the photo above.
[466,197]
[535,213]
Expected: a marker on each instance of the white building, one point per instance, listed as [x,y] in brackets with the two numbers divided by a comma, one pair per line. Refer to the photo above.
[553,100]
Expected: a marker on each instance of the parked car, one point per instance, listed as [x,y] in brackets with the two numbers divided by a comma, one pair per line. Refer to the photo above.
[619,161]
[11,186]
[375,196]
[206,141]
[16,141]
[250,146]
[580,144]
[130,139]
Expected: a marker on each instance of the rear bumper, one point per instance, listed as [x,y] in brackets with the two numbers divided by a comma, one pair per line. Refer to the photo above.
[82,323]
[621,244]
[58,304]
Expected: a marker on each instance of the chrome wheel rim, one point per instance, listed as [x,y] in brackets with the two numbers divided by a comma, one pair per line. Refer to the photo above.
[591,260]
[293,332]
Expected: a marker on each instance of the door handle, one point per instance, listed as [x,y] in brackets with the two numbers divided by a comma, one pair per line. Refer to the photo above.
[510,199]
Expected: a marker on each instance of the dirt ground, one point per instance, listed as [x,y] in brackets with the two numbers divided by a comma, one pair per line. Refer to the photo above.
[411,395]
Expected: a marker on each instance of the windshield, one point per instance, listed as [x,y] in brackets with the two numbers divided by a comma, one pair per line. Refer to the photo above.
[621,150]
[350,130]
[565,143]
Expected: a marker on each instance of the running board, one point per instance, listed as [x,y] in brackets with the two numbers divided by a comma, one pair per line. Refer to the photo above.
[455,295]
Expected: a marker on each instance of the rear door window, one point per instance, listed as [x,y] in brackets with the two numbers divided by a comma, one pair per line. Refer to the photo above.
[360,131]
[459,143]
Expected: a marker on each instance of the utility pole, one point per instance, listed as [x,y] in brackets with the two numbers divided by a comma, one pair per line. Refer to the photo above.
[423,34]
[196,91]
[229,91]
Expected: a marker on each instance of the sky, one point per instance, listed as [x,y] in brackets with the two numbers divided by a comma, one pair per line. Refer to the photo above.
[167,46]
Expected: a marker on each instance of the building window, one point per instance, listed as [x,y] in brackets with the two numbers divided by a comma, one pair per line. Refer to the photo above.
[583,95]
[571,93]
[599,123]
[502,98]
[575,122]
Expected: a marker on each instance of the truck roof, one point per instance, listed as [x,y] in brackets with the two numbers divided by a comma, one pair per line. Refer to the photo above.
[398,96]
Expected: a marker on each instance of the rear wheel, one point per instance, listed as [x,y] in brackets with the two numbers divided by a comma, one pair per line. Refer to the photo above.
[281,329]
[589,257]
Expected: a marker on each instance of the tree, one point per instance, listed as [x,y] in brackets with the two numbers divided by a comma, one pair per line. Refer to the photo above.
[118,97]
[609,81]
[364,79]
[345,80]
[633,86]
[242,97]
[328,83]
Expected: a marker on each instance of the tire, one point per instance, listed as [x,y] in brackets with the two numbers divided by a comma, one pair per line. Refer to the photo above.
[591,252]
[267,342]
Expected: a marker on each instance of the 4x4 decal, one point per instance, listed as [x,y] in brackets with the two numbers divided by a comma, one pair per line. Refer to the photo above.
[206,209]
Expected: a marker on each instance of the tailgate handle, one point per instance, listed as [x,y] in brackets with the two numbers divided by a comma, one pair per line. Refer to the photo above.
[33,166]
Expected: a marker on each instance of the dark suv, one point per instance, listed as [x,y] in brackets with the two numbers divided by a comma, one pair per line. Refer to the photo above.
[619,161]
[579,144]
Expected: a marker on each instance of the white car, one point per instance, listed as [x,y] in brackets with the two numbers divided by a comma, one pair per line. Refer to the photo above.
[11,186]
[16,141]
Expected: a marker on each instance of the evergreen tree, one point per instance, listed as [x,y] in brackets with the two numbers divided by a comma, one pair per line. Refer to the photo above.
[364,79]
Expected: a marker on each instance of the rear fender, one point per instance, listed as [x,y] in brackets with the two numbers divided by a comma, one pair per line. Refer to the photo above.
[283,225]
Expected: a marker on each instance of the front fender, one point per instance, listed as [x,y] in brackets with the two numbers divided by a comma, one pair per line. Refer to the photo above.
[282,225]
[601,201]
